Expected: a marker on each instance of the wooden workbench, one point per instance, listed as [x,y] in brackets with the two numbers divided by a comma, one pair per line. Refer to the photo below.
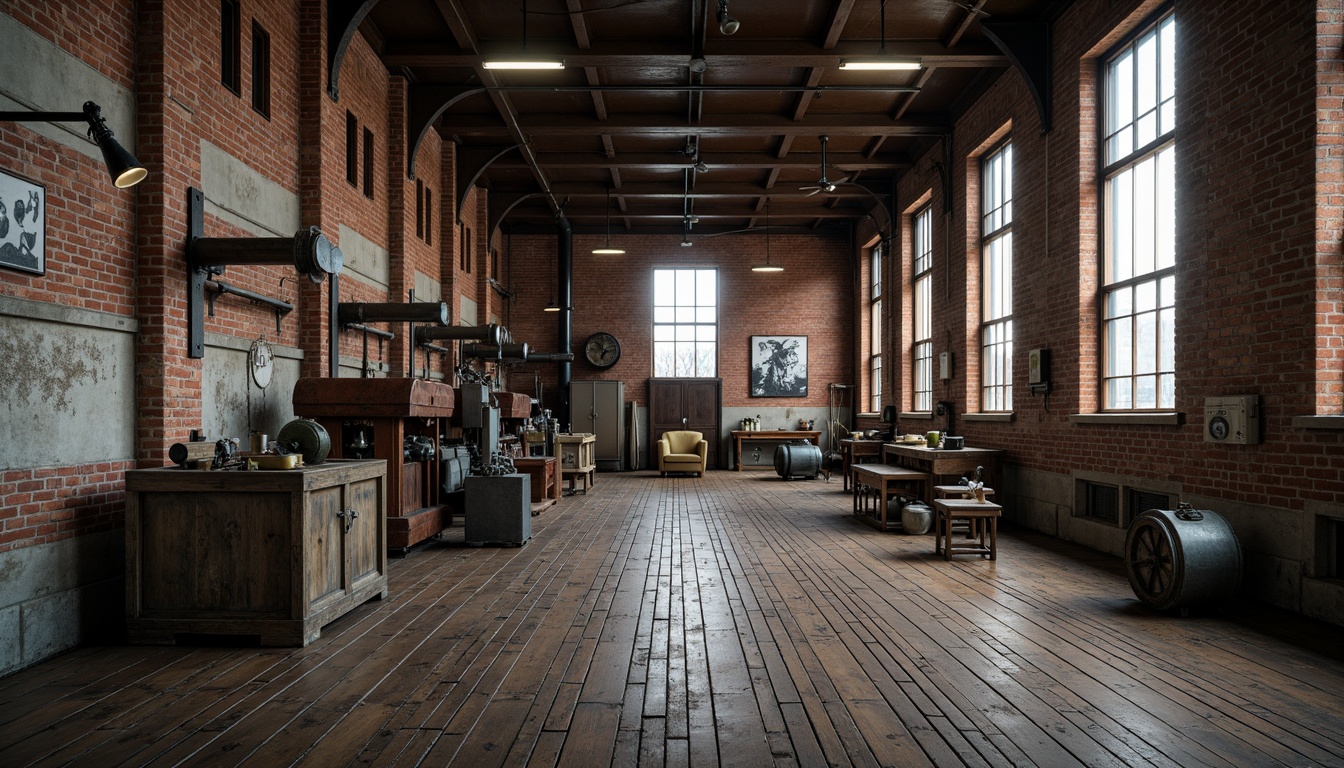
[768,435]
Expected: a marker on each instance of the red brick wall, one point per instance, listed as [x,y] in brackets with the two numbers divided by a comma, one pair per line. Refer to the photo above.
[813,297]
[1257,265]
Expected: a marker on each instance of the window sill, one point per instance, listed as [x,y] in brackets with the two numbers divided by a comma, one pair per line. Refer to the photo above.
[922,415]
[1335,423]
[1001,418]
[1169,419]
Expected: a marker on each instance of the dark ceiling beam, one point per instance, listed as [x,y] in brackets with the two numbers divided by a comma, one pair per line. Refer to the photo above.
[553,124]
[456,19]
[673,190]
[676,161]
[597,214]
[470,164]
[755,54]
[1027,44]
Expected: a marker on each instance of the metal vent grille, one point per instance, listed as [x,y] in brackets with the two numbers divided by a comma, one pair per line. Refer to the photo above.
[1103,502]
[1142,501]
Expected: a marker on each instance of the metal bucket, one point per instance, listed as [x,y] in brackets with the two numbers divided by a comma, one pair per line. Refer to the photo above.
[1175,559]
[797,461]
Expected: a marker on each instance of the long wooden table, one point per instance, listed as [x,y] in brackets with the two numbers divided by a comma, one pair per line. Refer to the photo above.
[852,449]
[942,462]
[768,435]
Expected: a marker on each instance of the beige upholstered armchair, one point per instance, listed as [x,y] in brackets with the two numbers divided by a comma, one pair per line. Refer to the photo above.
[682,451]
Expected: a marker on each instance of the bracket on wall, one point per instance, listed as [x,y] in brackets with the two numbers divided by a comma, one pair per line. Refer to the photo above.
[308,250]
[471,163]
[1027,46]
[343,20]
[424,104]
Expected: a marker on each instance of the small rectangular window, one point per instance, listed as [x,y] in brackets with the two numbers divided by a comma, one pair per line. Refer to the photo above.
[429,216]
[261,70]
[368,163]
[419,209]
[230,46]
[1103,503]
[466,251]
[351,149]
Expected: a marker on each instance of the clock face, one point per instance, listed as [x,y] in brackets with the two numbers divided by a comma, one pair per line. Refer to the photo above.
[602,350]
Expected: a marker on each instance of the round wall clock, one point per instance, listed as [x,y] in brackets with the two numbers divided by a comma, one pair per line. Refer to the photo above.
[602,350]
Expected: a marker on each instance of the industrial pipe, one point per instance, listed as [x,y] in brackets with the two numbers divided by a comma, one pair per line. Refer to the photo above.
[308,250]
[564,272]
[401,312]
[496,351]
[487,334]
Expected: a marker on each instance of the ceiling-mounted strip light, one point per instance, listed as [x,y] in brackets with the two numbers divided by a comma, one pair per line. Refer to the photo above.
[882,62]
[523,60]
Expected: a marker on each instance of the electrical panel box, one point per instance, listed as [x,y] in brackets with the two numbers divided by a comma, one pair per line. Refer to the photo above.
[1038,366]
[1234,420]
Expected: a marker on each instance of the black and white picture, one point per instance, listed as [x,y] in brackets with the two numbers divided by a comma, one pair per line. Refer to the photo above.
[23,210]
[778,366]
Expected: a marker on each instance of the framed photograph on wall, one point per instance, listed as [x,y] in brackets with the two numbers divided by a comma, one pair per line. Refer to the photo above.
[23,225]
[779,366]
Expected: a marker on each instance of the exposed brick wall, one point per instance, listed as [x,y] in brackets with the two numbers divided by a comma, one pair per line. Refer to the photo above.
[813,297]
[1258,244]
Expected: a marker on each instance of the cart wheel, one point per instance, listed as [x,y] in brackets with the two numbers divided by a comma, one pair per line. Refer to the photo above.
[1151,559]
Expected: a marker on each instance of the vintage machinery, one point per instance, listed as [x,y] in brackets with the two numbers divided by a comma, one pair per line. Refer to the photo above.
[400,421]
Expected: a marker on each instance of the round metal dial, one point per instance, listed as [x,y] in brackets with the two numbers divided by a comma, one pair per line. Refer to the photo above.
[1218,428]
[602,350]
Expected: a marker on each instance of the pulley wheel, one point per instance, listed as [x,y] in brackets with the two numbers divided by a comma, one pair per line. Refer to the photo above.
[310,437]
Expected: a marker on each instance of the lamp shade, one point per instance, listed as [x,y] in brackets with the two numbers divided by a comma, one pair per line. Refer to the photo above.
[125,170]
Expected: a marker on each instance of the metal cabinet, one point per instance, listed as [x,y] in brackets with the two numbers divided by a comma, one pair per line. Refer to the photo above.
[599,407]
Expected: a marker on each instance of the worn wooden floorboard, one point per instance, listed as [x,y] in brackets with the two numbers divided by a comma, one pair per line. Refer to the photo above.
[735,619]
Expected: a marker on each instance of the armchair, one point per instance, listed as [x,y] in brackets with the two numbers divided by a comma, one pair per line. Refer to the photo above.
[682,451]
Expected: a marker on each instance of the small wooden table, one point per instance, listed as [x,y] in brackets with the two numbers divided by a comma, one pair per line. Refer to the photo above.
[875,482]
[578,460]
[768,436]
[852,449]
[546,478]
[977,513]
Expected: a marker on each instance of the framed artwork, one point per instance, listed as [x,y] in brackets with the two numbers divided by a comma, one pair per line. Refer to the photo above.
[23,225]
[778,366]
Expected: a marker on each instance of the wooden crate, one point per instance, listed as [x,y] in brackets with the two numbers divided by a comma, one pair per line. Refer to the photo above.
[578,457]
[274,554]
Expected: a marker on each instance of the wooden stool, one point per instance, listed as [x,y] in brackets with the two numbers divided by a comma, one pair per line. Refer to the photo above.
[962,492]
[876,482]
[978,514]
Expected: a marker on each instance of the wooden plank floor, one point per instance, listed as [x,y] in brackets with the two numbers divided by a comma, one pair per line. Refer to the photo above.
[734,620]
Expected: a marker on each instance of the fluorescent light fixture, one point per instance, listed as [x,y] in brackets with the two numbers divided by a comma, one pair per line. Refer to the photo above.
[767,268]
[524,64]
[881,64]
[607,250]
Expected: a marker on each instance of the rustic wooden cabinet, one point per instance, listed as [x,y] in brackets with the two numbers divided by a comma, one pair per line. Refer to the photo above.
[273,554]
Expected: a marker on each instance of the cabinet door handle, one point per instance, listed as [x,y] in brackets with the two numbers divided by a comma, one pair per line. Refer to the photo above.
[349,516]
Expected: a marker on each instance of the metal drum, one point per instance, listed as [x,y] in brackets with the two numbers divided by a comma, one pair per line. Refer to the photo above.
[1175,559]
[797,460]
[308,437]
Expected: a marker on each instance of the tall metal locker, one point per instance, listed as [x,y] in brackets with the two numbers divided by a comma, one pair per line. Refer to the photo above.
[599,407]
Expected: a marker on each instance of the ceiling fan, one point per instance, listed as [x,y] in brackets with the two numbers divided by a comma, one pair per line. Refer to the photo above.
[823,184]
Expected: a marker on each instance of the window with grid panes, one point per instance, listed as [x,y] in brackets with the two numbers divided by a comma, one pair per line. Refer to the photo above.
[996,280]
[921,351]
[1138,302]
[685,322]
[875,332]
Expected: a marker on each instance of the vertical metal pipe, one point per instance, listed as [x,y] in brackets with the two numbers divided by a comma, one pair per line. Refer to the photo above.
[564,273]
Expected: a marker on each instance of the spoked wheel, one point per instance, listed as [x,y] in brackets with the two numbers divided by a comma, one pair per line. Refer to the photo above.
[1152,562]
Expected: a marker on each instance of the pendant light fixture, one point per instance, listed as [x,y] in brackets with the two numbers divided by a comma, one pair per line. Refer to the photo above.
[524,60]
[607,250]
[767,266]
[882,61]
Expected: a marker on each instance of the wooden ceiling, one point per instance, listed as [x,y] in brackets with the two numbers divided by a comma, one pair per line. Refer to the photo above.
[650,88]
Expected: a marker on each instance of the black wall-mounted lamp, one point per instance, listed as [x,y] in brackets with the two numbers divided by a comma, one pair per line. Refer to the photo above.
[727,24]
[125,170]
